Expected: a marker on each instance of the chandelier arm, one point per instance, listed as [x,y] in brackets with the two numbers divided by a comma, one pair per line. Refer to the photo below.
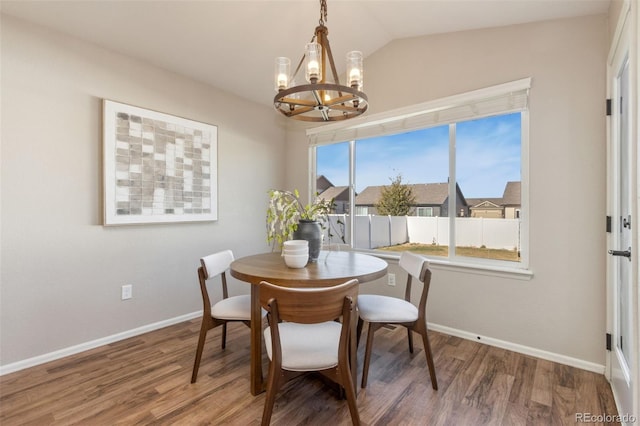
[324,111]
[299,111]
[344,108]
[298,102]
[342,99]
[293,77]
[317,97]
[331,62]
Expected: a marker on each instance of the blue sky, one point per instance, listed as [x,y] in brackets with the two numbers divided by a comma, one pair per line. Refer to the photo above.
[487,150]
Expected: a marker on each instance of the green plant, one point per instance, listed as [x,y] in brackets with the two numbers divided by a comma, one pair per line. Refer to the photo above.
[396,199]
[285,210]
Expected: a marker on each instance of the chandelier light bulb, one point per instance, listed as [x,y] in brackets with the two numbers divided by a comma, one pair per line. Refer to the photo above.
[314,69]
[354,76]
[282,81]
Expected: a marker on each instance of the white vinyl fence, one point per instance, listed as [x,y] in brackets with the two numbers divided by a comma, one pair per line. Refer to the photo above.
[381,231]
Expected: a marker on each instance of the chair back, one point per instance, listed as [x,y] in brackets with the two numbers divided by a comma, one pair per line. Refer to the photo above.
[309,305]
[211,266]
[416,267]
[216,264]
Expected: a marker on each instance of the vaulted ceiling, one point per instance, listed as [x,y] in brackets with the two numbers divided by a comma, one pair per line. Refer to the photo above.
[232,44]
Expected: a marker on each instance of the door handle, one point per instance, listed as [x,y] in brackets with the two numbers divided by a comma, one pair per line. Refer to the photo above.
[623,253]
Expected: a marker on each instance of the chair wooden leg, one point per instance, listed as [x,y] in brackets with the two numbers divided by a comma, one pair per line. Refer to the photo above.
[359,331]
[273,385]
[353,361]
[410,334]
[201,340]
[367,354]
[224,335]
[349,389]
[427,351]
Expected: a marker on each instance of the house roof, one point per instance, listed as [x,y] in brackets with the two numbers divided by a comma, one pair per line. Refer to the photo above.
[484,202]
[512,194]
[335,192]
[322,183]
[425,194]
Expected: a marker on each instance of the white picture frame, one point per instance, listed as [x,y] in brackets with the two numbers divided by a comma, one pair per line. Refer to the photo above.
[157,168]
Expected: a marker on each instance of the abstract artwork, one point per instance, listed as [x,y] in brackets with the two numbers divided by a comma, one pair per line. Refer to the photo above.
[158,168]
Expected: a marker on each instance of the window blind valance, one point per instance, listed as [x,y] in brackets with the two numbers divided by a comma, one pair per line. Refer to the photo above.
[500,99]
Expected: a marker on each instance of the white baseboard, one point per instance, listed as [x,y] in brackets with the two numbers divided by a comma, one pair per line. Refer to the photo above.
[72,350]
[538,353]
[515,347]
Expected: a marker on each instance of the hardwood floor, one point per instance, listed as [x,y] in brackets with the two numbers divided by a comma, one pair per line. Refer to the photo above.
[145,380]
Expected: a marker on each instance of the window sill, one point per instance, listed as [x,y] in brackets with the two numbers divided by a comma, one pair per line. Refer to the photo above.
[466,267]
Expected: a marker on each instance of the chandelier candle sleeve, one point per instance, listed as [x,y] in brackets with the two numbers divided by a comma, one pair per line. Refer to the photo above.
[354,69]
[314,62]
[283,71]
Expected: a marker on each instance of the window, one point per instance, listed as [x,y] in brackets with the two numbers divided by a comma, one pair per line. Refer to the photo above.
[432,163]
[424,211]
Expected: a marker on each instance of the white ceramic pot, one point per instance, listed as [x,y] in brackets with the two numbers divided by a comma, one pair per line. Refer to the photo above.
[296,260]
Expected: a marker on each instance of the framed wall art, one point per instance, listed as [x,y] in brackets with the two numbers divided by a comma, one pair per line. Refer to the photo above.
[158,168]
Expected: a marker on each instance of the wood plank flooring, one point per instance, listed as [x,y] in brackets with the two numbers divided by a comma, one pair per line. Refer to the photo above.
[145,380]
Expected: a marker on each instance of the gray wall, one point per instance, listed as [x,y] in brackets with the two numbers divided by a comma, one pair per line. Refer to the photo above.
[61,270]
[562,308]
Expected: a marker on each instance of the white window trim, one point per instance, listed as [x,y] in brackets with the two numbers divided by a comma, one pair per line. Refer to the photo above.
[445,264]
[500,99]
[413,117]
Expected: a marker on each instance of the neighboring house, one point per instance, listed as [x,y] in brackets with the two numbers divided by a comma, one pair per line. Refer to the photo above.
[486,207]
[511,200]
[340,196]
[507,207]
[327,191]
[431,199]
[322,184]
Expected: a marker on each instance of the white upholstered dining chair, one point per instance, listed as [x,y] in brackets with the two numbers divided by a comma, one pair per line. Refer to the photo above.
[303,336]
[381,310]
[227,309]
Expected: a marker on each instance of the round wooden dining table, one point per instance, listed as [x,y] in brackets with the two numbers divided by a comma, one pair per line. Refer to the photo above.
[331,268]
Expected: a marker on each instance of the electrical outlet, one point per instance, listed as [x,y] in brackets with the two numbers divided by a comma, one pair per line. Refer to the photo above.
[127,291]
[392,280]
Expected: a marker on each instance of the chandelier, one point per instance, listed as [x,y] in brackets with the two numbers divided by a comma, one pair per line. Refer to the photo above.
[318,99]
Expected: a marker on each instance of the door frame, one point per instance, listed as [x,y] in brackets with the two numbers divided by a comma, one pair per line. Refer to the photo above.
[625,37]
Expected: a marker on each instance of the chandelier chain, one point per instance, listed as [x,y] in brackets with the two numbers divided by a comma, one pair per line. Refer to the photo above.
[323,12]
